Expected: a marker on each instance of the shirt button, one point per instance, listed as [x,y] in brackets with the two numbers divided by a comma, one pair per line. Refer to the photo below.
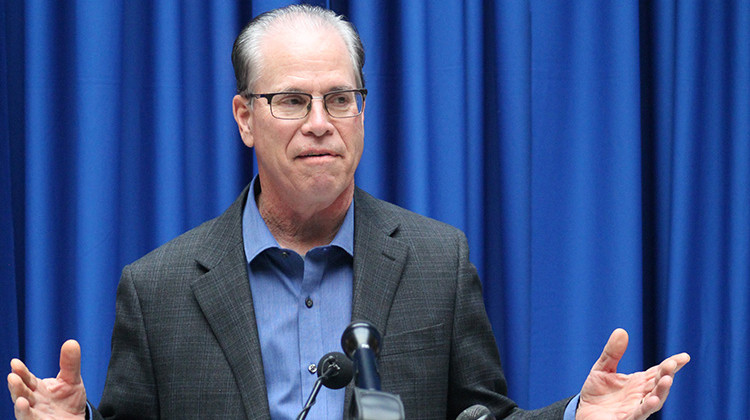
[312,368]
[309,302]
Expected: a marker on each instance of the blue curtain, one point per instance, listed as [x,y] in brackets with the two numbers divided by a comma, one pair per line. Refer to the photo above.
[11,137]
[596,153]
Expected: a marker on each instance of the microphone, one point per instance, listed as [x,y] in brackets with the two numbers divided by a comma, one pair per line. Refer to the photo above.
[337,370]
[361,342]
[476,412]
[334,371]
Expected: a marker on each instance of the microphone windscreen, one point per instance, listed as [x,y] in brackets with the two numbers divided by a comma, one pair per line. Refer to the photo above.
[340,370]
[476,412]
[359,334]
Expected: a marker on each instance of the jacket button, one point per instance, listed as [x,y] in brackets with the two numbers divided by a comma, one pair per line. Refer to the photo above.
[309,302]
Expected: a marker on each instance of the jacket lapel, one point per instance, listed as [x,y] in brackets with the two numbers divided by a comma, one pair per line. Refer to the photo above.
[379,260]
[223,294]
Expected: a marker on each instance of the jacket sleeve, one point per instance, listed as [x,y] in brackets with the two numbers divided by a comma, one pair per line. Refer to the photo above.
[130,390]
[475,368]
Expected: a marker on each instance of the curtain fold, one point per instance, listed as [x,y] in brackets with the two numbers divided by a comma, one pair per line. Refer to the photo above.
[700,81]
[9,328]
[11,212]
[596,153]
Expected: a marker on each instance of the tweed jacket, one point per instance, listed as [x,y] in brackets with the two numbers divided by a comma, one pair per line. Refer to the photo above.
[185,343]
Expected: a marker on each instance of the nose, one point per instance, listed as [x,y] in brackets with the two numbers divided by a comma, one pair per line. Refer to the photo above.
[318,121]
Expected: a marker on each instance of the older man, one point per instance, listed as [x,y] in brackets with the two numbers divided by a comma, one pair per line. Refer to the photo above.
[228,320]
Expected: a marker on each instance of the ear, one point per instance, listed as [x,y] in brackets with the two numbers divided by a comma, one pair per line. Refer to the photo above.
[244,118]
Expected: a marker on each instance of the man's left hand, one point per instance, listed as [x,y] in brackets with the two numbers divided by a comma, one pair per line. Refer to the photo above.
[607,394]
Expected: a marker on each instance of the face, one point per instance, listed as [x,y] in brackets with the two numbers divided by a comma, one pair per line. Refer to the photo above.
[308,162]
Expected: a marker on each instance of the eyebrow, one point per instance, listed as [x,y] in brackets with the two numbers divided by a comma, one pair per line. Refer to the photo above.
[343,87]
[332,89]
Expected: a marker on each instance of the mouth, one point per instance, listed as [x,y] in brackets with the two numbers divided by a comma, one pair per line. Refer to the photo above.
[316,154]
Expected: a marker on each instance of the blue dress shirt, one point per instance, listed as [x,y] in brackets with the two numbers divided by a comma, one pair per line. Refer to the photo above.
[302,305]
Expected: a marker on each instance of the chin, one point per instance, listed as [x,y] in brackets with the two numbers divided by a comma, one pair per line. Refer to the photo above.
[327,190]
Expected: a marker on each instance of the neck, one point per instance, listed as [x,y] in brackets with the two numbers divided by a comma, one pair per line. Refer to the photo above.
[304,226]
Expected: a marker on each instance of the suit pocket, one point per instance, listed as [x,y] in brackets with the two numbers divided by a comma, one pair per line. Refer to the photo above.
[415,365]
[419,339]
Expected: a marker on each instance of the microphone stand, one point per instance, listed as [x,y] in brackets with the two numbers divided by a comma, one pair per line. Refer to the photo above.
[330,370]
[335,370]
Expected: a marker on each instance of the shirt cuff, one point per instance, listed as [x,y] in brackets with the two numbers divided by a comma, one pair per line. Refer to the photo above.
[570,409]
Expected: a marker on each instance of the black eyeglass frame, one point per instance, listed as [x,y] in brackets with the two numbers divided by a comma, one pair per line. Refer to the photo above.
[269,96]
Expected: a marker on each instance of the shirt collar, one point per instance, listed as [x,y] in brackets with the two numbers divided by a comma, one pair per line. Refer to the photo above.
[257,237]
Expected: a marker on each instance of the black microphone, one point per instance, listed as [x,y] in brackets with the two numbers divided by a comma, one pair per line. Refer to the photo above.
[361,342]
[337,370]
[476,412]
[334,371]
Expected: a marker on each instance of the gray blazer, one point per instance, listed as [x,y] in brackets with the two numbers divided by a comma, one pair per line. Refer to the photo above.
[185,343]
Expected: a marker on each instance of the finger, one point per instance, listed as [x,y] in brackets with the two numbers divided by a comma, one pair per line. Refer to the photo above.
[613,351]
[675,363]
[20,369]
[665,369]
[655,401]
[15,386]
[672,365]
[681,360]
[70,362]
[662,387]
[18,389]
[22,409]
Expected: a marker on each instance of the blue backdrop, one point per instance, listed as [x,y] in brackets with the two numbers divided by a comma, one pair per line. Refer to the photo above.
[596,153]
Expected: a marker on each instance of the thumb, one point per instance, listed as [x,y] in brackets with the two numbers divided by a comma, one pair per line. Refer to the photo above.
[70,362]
[613,351]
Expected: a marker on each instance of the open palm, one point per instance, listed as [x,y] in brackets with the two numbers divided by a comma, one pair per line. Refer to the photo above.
[607,394]
[63,397]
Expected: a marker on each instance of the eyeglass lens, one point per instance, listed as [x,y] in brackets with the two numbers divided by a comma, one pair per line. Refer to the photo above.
[297,105]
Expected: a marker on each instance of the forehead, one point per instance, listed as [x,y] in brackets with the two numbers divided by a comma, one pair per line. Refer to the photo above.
[300,55]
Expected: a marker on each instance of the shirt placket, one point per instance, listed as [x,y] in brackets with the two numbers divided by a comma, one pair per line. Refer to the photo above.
[309,325]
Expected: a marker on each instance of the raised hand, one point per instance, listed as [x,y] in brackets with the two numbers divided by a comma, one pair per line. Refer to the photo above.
[63,397]
[607,394]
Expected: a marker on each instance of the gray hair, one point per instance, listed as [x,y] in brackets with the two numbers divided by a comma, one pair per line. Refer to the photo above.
[246,53]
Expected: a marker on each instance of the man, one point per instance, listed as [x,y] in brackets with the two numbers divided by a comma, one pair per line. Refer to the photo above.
[227,320]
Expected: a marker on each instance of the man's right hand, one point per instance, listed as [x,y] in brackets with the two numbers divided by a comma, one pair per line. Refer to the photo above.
[63,397]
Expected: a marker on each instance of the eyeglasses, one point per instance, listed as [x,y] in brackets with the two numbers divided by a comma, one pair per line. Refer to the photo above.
[297,105]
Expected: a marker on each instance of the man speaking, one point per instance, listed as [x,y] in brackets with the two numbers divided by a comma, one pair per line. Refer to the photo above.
[228,320]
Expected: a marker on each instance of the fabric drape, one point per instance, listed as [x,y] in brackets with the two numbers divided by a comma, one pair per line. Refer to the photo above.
[596,153]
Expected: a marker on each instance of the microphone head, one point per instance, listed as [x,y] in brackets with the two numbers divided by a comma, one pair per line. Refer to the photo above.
[476,412]
[360,334]
[335,370]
